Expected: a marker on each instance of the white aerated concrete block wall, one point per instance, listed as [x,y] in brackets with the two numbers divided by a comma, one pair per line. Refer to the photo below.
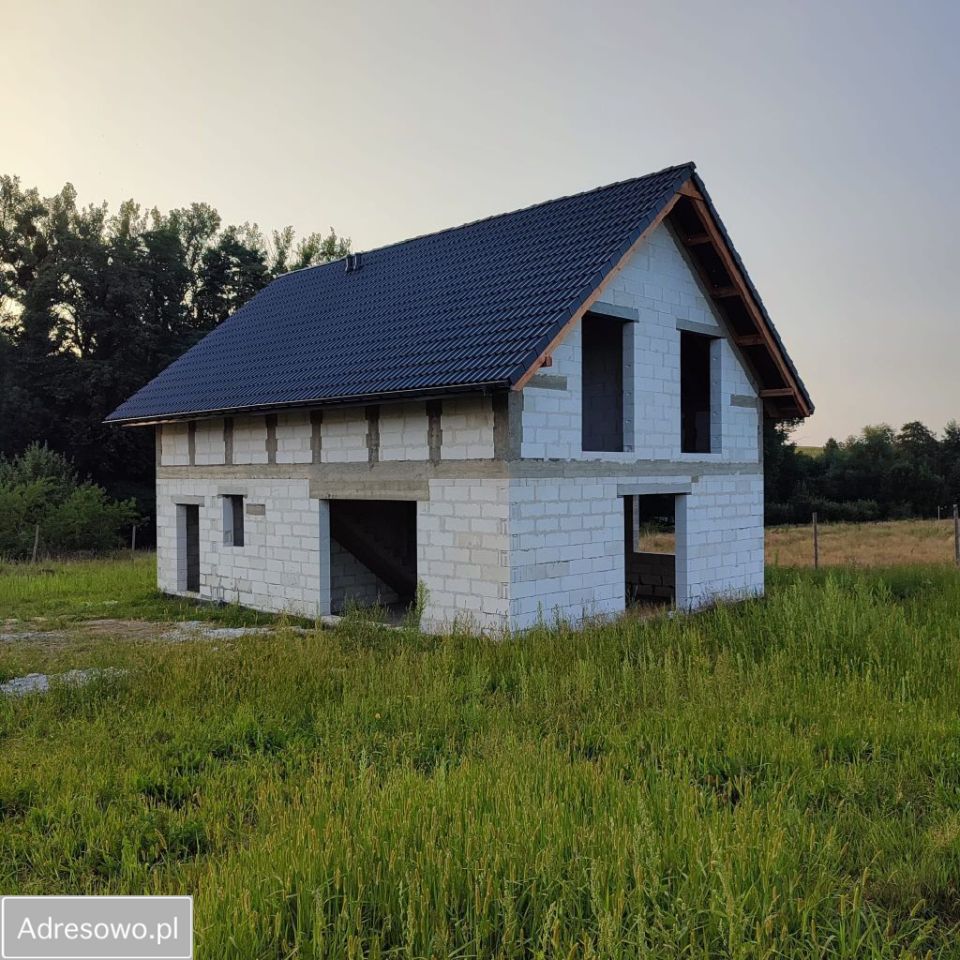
[280,565]
[174,444]
[249,440]
[294,433]
[552,419]
[344,436]
[209,445]
[462,553]
[467,426]
[566,550]
[720,540]
[403,432]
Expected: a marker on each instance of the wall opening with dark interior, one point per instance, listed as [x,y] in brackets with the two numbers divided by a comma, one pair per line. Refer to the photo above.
[649,524]
[602,384]
[188,547]
[695,392]
[373,554]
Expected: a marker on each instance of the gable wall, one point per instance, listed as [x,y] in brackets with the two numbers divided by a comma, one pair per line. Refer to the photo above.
[658,283]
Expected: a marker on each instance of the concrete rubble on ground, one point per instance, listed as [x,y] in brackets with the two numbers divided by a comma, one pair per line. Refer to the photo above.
[40,682]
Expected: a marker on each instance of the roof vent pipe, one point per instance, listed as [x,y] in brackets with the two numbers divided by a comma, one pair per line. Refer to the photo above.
[354,261]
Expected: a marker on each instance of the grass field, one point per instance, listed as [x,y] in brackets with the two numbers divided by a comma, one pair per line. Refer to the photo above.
[776,779]
[849,544]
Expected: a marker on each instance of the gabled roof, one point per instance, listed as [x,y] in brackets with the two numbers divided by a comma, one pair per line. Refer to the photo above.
[473,307]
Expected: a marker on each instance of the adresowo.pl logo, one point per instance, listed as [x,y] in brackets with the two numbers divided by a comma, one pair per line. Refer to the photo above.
[96,928]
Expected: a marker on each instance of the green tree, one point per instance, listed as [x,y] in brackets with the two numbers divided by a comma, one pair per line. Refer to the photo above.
[94,304]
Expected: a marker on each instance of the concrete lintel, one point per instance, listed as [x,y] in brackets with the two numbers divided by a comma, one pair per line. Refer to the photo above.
[422,471]
[637,470]
[744,400]
[547,381]
[386,471]
[189,501]
[604,309]
[705,329]
[653,489]
[231,490]
[370,490]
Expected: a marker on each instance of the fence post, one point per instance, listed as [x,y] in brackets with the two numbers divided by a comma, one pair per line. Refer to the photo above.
[956,535]
[816,542]
[36,543]
[133,539]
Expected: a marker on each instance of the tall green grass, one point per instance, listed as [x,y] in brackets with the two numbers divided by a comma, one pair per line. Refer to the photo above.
[779,778]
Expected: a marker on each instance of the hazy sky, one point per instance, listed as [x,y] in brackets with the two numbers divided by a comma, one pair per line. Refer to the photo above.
[827,134]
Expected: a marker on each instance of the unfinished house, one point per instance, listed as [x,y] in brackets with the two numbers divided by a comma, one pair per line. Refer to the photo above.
[501,412]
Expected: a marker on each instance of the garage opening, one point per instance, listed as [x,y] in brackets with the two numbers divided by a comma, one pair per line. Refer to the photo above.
[373,555]
[650,540]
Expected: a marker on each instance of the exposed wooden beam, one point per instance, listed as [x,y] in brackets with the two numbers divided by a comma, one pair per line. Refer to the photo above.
[697,240]
[772,392]
[721,293]
[750,340]
[699,205]
[585,306]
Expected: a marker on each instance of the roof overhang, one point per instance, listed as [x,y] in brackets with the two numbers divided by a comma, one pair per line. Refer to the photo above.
[361,400]
[698,228]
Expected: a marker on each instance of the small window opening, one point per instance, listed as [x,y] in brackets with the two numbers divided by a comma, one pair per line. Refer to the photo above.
[695,411]
[602,384]
[233,520]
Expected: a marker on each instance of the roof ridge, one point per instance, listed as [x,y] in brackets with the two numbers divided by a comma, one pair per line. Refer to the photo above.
[690,165]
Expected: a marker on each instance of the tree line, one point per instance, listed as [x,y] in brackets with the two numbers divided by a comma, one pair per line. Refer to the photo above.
[95,303]
[879,474]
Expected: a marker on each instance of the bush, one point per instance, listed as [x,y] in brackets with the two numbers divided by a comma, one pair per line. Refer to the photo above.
[40,487]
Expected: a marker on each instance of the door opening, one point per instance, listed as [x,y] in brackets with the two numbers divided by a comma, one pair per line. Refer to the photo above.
[650,561]
[188,547]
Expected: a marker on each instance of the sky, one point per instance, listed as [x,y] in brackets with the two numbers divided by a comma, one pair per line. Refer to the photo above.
[827,135]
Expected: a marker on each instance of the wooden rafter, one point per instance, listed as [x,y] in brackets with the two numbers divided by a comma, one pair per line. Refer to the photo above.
[741,289]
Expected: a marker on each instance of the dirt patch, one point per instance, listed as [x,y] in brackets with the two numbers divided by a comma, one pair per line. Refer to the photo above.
[28,632]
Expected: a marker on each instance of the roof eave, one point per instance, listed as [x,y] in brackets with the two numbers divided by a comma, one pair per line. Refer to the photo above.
[356,400]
